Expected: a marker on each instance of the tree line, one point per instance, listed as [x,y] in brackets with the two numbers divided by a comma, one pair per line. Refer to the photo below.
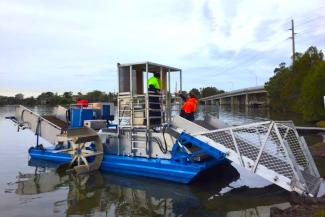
[50,98]
[300,87]
[206,91]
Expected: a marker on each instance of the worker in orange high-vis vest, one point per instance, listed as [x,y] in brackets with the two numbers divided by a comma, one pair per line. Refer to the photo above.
[189,106]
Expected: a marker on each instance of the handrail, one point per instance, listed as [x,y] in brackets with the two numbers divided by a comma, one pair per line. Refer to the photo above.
[233,127]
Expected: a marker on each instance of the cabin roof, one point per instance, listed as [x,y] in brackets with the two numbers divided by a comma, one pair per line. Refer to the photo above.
[152,67]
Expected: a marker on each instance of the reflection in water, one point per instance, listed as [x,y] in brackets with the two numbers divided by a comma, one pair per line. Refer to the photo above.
[120,195]
[221,191]
[259,211]
[39,182]
[236,115]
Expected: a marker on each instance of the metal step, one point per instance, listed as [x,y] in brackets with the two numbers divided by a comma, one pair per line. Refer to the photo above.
[272,150]
[136,139]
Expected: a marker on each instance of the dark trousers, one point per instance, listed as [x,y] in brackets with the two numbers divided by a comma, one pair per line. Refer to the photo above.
[187,116]
[154,103]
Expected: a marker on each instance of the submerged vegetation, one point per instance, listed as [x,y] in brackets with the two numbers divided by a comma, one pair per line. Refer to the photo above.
[300,87]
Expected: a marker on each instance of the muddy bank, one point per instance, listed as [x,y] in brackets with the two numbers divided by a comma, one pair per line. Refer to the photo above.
[301,206]
[318,150]
[298,210]
[304,206]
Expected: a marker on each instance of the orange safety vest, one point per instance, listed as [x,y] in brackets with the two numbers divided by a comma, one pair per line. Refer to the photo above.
[190,105]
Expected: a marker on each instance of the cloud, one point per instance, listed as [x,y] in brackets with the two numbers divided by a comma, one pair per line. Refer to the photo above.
[64,45]
[266,29]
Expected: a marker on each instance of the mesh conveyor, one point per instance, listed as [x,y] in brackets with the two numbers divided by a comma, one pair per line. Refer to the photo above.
[272,150]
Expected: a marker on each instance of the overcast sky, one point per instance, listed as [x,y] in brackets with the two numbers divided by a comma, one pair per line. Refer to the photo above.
[74,45]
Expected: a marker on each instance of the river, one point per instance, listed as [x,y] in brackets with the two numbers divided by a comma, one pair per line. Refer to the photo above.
[34,188]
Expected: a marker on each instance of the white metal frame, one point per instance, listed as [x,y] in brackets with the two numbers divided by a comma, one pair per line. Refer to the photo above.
[298,181]
[164,99]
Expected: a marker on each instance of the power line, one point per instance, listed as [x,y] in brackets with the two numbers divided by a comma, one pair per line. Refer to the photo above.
[308,30]
[307,13]
[256,55]
[273,45]
[276,44]
[249,57]
[312,27]
[309,21]
[252,57]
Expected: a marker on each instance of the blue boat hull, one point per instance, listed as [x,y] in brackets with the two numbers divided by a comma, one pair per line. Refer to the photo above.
[170,170]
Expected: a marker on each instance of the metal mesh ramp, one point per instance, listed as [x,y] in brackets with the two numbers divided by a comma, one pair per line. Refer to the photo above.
[272,150]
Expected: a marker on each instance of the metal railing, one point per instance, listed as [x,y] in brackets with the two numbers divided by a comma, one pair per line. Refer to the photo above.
[129,105]
[136,113]
[273,150]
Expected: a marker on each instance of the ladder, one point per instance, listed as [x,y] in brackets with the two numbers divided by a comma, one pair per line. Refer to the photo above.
[272,150]
[136,140]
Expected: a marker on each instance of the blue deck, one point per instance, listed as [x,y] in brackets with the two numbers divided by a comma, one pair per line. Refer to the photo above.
[171,170]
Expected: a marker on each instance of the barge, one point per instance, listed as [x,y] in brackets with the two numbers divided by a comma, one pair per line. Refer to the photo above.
[141,139]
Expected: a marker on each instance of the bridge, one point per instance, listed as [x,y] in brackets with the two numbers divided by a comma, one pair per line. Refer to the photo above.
[247,96]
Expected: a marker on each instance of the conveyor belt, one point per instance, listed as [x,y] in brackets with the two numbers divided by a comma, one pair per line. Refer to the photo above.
[244,148]
[272,150]
[205,124]
[56,121]
[46,127]
[172,132]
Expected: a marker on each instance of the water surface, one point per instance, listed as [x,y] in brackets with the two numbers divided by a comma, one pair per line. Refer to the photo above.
[37,188]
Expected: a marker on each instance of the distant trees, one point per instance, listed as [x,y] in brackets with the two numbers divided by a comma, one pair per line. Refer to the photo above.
[19,96]
[276,88]
[96,96]
[50,98]
[209,91]
[196,92]
[29,101]
[301,86]
[204,91]
[311,102]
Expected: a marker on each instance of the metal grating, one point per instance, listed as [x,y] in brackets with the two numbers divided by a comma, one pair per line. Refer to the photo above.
[289,135]
[222,137]
[274,145]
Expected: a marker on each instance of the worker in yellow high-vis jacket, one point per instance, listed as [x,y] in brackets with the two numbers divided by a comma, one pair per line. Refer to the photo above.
[154,102]
[154,83]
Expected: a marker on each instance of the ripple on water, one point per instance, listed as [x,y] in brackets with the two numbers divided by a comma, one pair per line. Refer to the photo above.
[38,190]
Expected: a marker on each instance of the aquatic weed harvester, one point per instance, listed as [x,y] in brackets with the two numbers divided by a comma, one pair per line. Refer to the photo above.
[155,142]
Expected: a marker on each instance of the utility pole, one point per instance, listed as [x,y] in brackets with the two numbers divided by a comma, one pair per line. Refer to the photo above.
[293,41]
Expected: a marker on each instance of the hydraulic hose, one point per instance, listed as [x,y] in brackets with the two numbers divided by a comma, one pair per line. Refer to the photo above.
[163,131]
[162,149]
